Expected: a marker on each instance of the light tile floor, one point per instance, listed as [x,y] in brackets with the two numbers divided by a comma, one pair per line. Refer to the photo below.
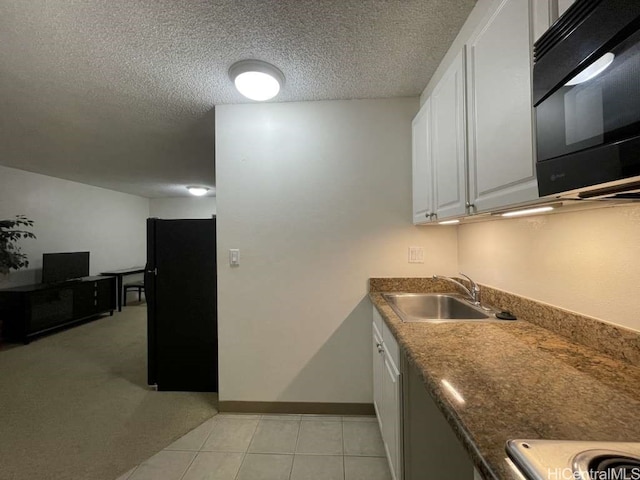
[272,447]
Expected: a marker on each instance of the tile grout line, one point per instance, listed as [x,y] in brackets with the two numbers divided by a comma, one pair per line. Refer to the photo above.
[295,448]
[244,455]
[132,472]
[213,426]
[246,452]
[253,435]
[189,466]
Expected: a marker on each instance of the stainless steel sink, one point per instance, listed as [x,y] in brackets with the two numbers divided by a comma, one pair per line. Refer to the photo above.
[435,307]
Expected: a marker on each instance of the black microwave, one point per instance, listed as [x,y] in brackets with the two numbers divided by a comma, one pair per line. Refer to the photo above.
[586,95]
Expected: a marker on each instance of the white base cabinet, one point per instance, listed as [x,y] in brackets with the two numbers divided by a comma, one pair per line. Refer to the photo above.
[419,443]
[387,392]
[431,449]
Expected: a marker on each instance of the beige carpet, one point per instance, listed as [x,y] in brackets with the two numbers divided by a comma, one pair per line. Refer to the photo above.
[75,405]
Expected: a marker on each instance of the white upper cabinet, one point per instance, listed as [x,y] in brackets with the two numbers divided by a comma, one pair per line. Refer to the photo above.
[501,156]
[421,155]
[541,15]
[449,141]
[562,6]
[545,12]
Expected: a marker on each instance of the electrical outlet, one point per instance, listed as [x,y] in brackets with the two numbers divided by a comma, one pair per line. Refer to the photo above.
[416,255]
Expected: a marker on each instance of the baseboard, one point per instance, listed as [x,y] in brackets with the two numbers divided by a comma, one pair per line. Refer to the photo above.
[297,407]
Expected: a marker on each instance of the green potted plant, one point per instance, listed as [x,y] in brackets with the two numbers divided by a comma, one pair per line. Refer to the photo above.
[11,258]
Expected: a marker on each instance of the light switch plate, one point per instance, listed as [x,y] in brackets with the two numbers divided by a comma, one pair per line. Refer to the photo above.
[234,257]
[416,255]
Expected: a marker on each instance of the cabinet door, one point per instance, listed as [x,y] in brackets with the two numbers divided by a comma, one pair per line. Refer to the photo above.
[541,17]
[545,12]
[392,416]
[106,294]
[421,165]
[501,156]
[378,365]
[563,5]
[84,300]
[431,449]
[449,144]
[51,307]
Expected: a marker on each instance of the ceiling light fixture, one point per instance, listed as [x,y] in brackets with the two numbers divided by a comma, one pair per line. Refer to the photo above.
[256,80]
[593,70]
[449,222]
[528,211]
[198,191]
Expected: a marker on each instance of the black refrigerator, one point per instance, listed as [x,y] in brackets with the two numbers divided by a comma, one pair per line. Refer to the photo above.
[181,293]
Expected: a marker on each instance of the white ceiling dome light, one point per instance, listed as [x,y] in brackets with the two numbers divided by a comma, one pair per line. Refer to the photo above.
[198,191]
[256,80]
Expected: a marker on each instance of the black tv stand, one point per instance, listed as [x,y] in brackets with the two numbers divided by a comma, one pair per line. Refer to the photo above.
[32,310]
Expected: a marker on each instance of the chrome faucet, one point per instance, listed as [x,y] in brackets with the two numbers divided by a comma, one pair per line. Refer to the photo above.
[473,293]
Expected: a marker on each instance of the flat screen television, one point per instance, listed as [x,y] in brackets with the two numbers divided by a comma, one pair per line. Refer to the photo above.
[59,267]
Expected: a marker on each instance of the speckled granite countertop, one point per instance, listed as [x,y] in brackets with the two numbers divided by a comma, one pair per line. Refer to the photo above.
[518,380]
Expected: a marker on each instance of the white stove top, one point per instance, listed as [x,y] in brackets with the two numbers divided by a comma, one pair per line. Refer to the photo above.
[572,460]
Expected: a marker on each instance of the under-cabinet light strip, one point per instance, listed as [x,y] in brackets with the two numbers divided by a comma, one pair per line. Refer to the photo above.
[528,211]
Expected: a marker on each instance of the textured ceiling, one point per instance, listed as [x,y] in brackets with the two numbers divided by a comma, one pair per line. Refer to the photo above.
[120,93]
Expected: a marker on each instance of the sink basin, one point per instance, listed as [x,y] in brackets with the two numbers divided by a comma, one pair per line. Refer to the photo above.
[435,307]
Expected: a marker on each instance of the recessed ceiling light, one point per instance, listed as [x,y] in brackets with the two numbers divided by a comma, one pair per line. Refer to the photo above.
[528,211]
[256,80]
[198,191]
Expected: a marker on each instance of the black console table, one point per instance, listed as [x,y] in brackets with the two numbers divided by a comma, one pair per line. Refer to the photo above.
[31,310]
[120,274]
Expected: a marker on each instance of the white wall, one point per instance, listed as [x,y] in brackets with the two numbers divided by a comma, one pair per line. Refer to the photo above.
[182,207]
[584,261]
[71,216]
[317,197]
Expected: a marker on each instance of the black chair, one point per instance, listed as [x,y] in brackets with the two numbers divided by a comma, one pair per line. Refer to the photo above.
[139,286]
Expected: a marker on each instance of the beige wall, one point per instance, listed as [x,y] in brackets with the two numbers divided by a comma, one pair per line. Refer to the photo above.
[317,197]
[587,262]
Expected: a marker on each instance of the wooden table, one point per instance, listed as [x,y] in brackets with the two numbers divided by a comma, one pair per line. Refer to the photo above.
[119,274]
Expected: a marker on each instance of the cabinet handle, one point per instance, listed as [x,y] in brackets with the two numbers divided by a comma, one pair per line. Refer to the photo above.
[428,214]
[470,205]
